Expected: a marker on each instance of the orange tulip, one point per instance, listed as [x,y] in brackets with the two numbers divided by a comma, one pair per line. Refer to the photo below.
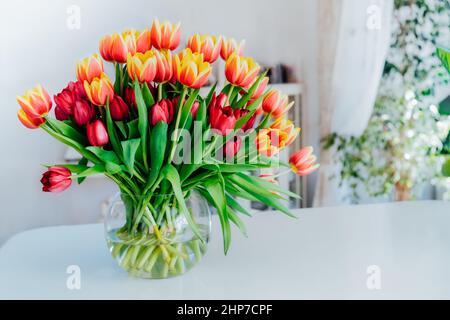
[164,68]
[143,41]
[99,90]
[288,127]
[209,46]
[241,71]
[35,105]
[190,69]
[270,141]
[116,47]
[142,66]
[276,103]
[165,35]
[89,68]
[303,161]
[230,46]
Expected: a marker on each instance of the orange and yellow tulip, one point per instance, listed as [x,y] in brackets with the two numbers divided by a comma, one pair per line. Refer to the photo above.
[288,127]
[303,161]
[276,103]
[241,71]
[89,68]
[190,69]
[270,141]
[35,105]
[165,35]
[142,66]
[230,46]
[164,67]
[115,47]
[99,90]
[209,46]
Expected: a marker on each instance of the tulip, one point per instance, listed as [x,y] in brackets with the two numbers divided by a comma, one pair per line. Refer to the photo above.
[56,179]
[130,97]
[270,141]
[209,46]
[190,69]
[249,124]
[97,134]
[83,112]
[36,104]
[164,68]
[115,47]
[143,41]
[288,127]
[30,123]
[276,103]
[65,100]
[303,161]
[165,35]
[99,90]
[118,108]
[232,147]
[89,68]
[221,118]
[241,71]
[230,46]
[142,66]
[260,89]
[162,111]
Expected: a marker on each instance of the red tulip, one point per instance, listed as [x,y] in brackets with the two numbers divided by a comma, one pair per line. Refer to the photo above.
[56,179]
[130,98]
[249,124]
[221,118]
[35,105]
[83,112]
[162,111]
[232,147]
[119,109]
[65,100]
[97,134]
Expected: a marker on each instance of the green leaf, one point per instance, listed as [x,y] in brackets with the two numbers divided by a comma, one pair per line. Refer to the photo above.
[202,114]
[266,185]
[252,109]
[117,80]
[236,220]
[147,95]
[122,128]
[142,121]
[246,97]
[186,110]
[83,162]
[231,168]
[67,130]
[112,167]
[215,194]
[158,144]
[133,129]
[171,174]
[104,155]
[97,169]
[236,206]
[444,55]
[74,168]
[210,94]
[113,138]
[129,152]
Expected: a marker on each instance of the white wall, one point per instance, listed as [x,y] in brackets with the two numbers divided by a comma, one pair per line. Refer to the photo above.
[37,47]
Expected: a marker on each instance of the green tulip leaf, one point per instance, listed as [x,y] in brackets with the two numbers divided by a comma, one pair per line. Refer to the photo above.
[129,152]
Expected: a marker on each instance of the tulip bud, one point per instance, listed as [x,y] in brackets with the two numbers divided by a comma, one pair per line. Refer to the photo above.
[83,112]
[61,114]
[116,47]
[130,98]
[230,46]
[207,45]
[56,179]
[165,35]
[303,161]
[276,103]
[89,68]
[221,118]
[97,134]
[99,90]
[35,105]
[232,147]
[142,66]
[118,108]
[190,69]
[143,41]
[164,66]
[162,111]
[64,103]
[241,71]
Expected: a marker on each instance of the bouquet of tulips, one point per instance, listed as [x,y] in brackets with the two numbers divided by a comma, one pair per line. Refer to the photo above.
[159,139]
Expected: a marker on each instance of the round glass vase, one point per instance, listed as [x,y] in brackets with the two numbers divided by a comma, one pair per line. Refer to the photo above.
[155,240]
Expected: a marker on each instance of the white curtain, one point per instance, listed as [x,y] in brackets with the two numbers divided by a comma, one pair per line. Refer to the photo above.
[353,41]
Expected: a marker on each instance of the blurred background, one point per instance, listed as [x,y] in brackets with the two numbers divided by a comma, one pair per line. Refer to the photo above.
[370,92]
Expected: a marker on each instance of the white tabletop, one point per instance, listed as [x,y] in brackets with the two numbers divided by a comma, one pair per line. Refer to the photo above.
[381,251]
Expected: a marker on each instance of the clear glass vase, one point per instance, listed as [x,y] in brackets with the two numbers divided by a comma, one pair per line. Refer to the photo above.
[157,242]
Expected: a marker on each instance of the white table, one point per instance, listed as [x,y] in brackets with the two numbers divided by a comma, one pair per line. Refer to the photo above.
[324,254]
